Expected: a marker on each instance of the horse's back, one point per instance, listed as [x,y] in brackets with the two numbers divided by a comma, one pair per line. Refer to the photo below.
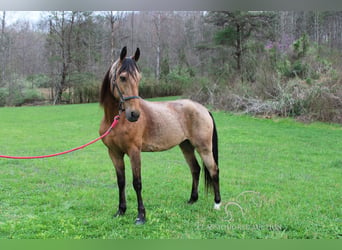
[177,107]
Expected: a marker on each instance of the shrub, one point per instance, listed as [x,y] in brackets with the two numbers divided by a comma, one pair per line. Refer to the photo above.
[303,61]
[171,84]
[151,89]
[3,96]
[18,97]
[86,92]
[85,88]
[324,103]
[30,95]
[19,92]
[39,80]
[321,100]
[179,77]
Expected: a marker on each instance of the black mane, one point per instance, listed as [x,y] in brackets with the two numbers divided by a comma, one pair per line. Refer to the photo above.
[105,88]
[130,66]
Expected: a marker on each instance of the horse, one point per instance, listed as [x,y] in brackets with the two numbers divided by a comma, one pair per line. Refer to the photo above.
[154,126]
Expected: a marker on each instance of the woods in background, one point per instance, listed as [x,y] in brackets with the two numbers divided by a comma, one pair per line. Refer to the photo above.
[284,62]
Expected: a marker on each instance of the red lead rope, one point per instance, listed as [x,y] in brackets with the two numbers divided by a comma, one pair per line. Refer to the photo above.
[115,122]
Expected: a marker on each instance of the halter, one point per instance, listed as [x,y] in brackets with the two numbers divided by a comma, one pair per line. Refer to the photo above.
[122,97]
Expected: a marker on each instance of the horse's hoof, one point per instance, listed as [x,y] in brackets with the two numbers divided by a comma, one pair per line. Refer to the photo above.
[140,221]
[217,206]
[191,201]
[118,214]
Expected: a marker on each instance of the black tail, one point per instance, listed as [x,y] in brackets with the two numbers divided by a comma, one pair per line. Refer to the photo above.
[207,178]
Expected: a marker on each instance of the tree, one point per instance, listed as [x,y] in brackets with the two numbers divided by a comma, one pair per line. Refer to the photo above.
[238,27]
[113,20]
[71,44]
[59,42]
[157,22]
[3,49]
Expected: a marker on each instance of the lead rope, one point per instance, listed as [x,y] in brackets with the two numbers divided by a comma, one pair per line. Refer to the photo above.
[115,122]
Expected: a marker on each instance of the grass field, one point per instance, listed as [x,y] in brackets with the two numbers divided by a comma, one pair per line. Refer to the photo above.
[279,179]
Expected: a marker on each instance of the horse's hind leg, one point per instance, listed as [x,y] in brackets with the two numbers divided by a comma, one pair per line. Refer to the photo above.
[189,154]
[213,172]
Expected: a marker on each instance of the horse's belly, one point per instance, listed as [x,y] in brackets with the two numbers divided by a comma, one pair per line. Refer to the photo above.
[162,142]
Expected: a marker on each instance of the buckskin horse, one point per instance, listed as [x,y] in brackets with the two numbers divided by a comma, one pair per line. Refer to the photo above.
[154,126]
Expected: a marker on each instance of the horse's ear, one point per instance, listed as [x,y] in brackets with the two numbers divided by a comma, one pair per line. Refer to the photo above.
[123,53]
[136,55]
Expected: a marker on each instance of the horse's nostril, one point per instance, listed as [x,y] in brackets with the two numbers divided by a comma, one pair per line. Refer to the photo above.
[135,114]
[132,115]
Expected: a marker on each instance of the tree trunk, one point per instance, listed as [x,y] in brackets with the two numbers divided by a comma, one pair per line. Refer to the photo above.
[112,27]
[157,26]
[63,28]
[58,94]
[3,48]
[132,30]
[60,86]
[238,48]
[158,63]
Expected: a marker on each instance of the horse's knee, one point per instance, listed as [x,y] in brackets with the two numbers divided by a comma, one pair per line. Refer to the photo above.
[137,184]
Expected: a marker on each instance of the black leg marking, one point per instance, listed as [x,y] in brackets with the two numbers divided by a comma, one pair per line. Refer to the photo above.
[189,154]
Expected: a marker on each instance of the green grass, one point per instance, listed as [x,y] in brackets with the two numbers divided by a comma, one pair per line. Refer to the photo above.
[293,169]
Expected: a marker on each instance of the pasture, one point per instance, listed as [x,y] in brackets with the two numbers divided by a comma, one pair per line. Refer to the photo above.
[279,179]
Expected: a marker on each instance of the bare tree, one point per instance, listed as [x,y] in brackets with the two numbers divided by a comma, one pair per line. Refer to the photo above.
[113,19]
[3,48]
[61,28]
[157,41]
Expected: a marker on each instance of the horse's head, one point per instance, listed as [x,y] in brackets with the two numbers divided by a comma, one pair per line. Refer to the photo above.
[125,77]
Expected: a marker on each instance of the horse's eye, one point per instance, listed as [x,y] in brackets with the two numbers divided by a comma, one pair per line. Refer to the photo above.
[123,78]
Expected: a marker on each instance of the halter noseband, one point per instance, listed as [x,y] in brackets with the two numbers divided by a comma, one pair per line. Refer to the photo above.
[122,97]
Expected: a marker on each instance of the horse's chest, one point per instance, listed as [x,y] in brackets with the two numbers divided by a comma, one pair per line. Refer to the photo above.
[122,141]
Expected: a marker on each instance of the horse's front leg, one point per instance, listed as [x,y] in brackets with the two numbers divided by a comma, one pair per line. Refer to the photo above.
[119,165]
[134,156]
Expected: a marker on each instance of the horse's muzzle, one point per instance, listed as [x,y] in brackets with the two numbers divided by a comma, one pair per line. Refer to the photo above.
[132,116]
